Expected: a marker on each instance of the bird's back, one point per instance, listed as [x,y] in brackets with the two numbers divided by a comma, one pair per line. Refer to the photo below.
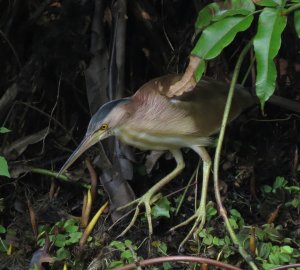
[185,120]
[204,104]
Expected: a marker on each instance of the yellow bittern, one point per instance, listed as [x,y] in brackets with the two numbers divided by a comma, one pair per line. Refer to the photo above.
[149,120]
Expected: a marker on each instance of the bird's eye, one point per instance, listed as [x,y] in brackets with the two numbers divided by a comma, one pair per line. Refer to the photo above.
[104,127]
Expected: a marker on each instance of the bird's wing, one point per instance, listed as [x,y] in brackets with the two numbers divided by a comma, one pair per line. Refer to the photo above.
[198,111]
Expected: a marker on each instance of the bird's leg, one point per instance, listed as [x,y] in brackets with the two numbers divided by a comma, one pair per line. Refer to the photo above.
[200,213]
[147,198]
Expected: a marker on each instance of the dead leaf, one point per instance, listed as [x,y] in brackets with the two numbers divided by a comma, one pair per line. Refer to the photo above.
[15,149]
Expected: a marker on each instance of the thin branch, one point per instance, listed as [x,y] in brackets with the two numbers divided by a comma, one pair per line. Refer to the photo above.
[222,210]
[12,48]
[178,259]
[289,266]
[291,9]
[55,175]
[43,113]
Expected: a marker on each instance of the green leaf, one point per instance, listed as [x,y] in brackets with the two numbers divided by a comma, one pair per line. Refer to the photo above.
[220,10]
[219,35]
[74,237]
[280,182]
[115,264]
[4,167]
[206,15]
[233,223]
[267,42]
[267,189]
[267,266]
[118,245]
[128,243]
[70,222]
[272,233]
[203,233]
[200,70]
[163,248]
[216,241]
[244,4]
[208,240]
[283,257]
[296,202]
[227,240]
[3,247]
[60,240]
[211,212]
[287,249]
[235,7]
[274,258]
[71,228]
[155,244]
[235,213]
[264,250]
[4,130]
[41,242]
[127,255]
[167,266]
[2,229]
[297,22]
[63,254]
[269,3]
[161,208]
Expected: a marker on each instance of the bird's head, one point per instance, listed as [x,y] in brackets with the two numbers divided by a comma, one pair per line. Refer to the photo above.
[102,125]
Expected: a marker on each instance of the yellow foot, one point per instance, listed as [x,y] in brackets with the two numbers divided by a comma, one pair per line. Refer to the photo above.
[146,200]
[199,217]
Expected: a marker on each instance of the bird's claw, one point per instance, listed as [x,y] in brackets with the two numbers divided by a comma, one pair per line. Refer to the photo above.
[146,200]
[199,216]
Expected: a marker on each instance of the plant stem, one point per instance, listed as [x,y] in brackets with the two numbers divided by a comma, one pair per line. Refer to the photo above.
[291,9]
[222,210]
[186,189]
[55,175]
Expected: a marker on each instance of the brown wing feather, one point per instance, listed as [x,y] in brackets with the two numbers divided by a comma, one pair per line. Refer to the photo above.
[198,112]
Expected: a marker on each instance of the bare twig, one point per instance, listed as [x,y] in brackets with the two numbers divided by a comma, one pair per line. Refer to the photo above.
[289,266]
[93,176]
[41,112]
[178,259]
[52,112]
[12,48]
[222,209]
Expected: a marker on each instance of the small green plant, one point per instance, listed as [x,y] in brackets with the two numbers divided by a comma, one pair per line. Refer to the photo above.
[272,247]
[162,208]
[3,163]
[127,251]
[63,234]
[283,252]
[162,249]
[223,245]
[3,247]
[273,256]
[281,184]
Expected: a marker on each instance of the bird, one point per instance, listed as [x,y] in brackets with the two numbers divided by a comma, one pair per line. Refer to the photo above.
[150,120]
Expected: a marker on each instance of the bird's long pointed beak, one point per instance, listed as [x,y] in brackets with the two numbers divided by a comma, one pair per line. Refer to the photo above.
[85,144]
